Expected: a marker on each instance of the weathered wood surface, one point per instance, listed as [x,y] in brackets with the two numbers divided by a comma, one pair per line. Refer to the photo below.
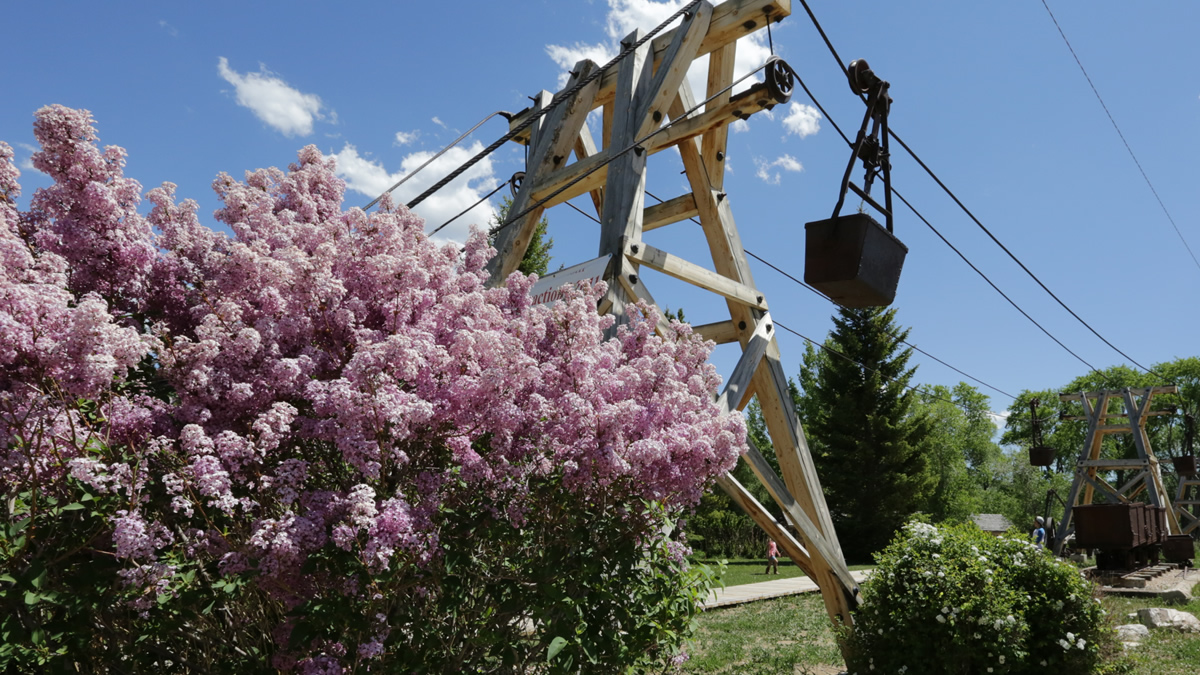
[1136,404]
[552,145]
[669,212]
[590,173]
[730,20]
[694,274]
[720,332]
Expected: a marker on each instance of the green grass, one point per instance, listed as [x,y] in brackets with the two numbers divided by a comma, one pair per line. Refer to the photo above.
[1165,652]
[793,635]
[785,635]
[741,571]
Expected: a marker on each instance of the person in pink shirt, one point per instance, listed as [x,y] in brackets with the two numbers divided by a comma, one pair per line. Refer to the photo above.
[772,557]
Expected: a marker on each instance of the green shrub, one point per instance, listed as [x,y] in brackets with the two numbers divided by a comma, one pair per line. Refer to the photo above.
[957,600]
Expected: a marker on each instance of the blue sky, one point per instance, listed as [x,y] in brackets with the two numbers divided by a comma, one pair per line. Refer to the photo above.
[987,93]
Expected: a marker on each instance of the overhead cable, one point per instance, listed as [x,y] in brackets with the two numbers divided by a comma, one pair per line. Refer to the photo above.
[430,160]
[557,101]
[950,193]
[1118,129]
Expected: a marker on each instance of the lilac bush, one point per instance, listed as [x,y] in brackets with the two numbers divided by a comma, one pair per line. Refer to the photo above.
[277,447]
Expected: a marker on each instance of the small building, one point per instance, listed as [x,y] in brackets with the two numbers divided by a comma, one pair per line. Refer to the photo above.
[992,523]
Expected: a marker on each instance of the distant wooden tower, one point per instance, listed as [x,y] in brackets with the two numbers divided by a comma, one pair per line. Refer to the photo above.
[1134,406]
[640,95]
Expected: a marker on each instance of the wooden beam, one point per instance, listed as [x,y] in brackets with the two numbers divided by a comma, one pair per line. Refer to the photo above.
[763,518]
[1141,391]
[625,187]
[585,146]
[668,212]
[770,382]
[739,380]
[730,20]
[672,67]
[712,148]
[1114,463]
[694,274]
[808,529]
[1103,486]
[591,173]
[552,145]
[721,332]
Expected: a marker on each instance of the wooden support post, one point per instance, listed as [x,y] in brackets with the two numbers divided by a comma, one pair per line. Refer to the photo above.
[551,146]
[720,77]
[763,518]
[585,147]
[1148,476]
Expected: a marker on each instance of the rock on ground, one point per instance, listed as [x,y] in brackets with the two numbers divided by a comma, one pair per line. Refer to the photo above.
[1161,617]
[1132,632]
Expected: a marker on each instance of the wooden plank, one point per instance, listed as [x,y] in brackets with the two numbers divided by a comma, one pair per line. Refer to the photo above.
[1141,476]
[721,332]
[729,260]
[763,518]
[591,174]
[585,146]
[1103,486]
[694,274]
[625,185]
[739,380]
[1114,463]
[1163,389]
[672,68]
[808,529]
[730,20]
[712,148]
[668,212]
[560,128]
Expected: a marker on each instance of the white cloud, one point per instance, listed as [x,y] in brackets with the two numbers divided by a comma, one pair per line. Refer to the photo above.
[1000,419]
[740,126]
[802,120]
[439,122]
[171,30]
[283,108]
[786,163]
[369,178]
[624,16]
[406,137]
[26,163]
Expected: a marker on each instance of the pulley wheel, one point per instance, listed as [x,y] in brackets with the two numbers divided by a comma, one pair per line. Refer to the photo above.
[781,79]
[860,76]
[514,183]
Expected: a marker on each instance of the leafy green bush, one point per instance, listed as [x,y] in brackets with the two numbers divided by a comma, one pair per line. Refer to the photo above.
[957,600]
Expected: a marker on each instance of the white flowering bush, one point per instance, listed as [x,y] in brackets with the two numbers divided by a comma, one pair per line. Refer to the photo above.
[957,600]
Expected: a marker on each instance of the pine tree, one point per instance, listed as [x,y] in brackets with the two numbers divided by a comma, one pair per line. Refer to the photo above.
[868,441]
[537,256]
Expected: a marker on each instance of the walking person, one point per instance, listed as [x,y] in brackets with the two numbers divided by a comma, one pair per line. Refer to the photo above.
[1039,532]
[772,557]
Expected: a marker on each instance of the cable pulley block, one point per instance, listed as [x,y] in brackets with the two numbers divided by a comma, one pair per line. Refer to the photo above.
[853,259]
[780,78]
[514,183]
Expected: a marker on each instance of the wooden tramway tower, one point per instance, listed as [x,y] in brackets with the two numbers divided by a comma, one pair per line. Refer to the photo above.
[1134,406]
[647,91]
[1187,495]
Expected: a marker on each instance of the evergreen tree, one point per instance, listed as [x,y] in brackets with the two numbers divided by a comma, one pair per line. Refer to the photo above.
[868,442]
[537,256]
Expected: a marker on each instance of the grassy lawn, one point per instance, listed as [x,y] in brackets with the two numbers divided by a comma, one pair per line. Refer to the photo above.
[785,635]
[741,571]
[793,635]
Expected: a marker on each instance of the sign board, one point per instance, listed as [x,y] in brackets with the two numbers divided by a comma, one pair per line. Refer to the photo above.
[552,287]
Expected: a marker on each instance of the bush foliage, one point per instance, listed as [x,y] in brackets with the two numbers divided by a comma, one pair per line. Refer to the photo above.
[956,600]
[321,444]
